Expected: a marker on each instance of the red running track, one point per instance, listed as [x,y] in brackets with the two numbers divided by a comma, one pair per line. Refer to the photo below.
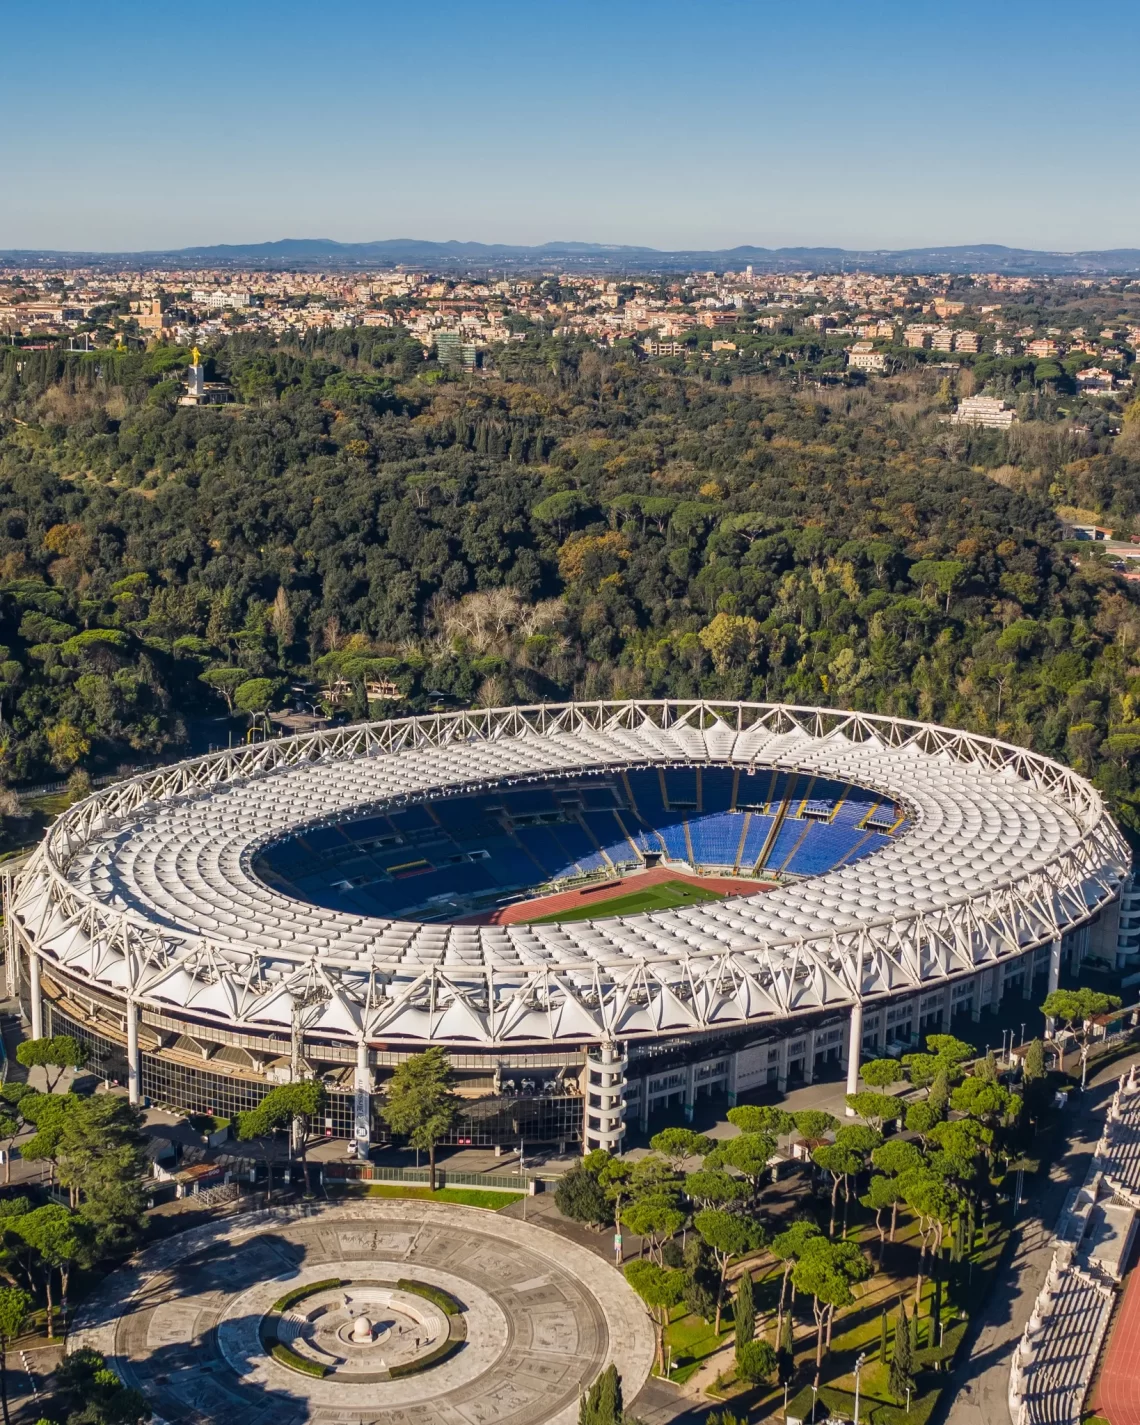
[598,892]
[1117,1393]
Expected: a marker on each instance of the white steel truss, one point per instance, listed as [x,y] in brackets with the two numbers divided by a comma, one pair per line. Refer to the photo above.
[146,890]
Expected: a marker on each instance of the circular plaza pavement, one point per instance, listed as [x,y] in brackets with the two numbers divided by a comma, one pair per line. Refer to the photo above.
[186,1322]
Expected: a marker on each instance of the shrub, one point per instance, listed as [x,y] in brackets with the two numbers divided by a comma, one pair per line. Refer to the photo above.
[298,1363]
[433,1358]
[435,1294]
[298,1293]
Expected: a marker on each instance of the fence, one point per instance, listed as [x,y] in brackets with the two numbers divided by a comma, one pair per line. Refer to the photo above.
[376,1173]
[48,789]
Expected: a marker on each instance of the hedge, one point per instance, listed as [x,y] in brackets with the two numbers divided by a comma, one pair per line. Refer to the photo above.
[435,1294]
[298,1363]
[440,1353]
[299,1292]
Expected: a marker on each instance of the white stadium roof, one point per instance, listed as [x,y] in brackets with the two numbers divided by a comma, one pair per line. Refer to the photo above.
[146,889]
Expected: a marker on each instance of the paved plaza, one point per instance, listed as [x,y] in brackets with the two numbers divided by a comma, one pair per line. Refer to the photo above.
[541,1317]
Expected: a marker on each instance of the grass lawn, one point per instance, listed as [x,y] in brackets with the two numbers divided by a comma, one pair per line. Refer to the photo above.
[665,896]
[466,1197]
[689,1340]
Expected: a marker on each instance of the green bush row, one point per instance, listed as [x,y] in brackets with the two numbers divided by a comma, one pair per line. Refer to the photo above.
[298,1363]
[436,1295]
[440,1353]
[299,1292]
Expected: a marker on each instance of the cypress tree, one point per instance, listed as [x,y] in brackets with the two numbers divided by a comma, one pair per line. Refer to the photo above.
[602,1403]
[939,1093]
[1034,1067]
[744,1312]
[902,1357]
[787,1349]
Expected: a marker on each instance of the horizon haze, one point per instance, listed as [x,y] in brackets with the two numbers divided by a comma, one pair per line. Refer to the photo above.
[738,124]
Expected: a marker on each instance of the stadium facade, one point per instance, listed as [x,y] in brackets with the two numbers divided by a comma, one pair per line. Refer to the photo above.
[331,903]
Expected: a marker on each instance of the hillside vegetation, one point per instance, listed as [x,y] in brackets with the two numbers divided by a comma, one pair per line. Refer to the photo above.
[575,523]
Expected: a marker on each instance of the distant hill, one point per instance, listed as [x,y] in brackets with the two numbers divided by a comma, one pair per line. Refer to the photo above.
[587,256]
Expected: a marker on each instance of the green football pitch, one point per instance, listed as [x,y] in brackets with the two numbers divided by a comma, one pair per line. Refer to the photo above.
[667,895]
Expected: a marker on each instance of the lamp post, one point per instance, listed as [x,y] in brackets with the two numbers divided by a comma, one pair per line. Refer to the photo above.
[786,1383]
[1022,1036]
[858,1367]
[814,1394]
[908,1400]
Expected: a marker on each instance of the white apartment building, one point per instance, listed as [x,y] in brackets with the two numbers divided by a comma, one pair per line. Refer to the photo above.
[862,357]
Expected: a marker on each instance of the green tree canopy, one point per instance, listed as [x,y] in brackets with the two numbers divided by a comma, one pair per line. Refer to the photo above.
[680,1144]
[59,1052]
[420,1104]
[881,1073]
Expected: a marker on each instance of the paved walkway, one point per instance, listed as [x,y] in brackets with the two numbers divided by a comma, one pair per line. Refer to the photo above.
[183,1322]
[978,1391]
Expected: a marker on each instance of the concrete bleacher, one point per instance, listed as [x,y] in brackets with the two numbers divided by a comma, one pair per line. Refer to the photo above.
[426,861]
[1055,1360]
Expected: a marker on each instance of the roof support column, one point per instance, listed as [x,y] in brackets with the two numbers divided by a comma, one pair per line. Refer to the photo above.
[1054,979]
[854,1051]
[11,943]
[809,1057]
[362,1106]
[296,1052]
[133,1092]
[35,995]
[782,1065]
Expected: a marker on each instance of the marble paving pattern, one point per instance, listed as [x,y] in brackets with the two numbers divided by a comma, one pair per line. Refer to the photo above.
[543,1317]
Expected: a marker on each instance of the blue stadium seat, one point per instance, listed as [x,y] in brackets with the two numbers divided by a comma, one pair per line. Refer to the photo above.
[469,854]
[673,836]
[715,838]
[716,789]
[758,829]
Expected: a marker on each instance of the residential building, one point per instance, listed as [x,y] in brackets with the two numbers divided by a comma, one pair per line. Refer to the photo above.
[863,357]
[149,315]
[942,339]
[449,348]
[1044,348]
[967,341]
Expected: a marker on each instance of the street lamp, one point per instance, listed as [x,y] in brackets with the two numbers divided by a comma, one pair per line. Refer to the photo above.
[1022,1036]
[908,1400]
[786,1383]
[858,1367]
[814,1393]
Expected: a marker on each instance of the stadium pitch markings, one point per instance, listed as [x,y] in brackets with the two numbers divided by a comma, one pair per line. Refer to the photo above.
[666,895]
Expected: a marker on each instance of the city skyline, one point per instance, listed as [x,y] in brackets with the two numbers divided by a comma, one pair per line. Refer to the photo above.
[674,129]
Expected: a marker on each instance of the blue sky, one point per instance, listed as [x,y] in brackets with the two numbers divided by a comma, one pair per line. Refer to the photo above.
[708,123]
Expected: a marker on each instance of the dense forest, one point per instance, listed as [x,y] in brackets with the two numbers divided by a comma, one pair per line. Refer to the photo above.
[568,522]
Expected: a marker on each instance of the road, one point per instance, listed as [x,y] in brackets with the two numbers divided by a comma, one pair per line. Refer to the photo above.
[979,1389]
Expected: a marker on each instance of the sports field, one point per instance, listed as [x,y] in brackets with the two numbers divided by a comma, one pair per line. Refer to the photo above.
[666,895]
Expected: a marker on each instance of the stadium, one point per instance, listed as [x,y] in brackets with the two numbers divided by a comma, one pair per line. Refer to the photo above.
[602,910]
